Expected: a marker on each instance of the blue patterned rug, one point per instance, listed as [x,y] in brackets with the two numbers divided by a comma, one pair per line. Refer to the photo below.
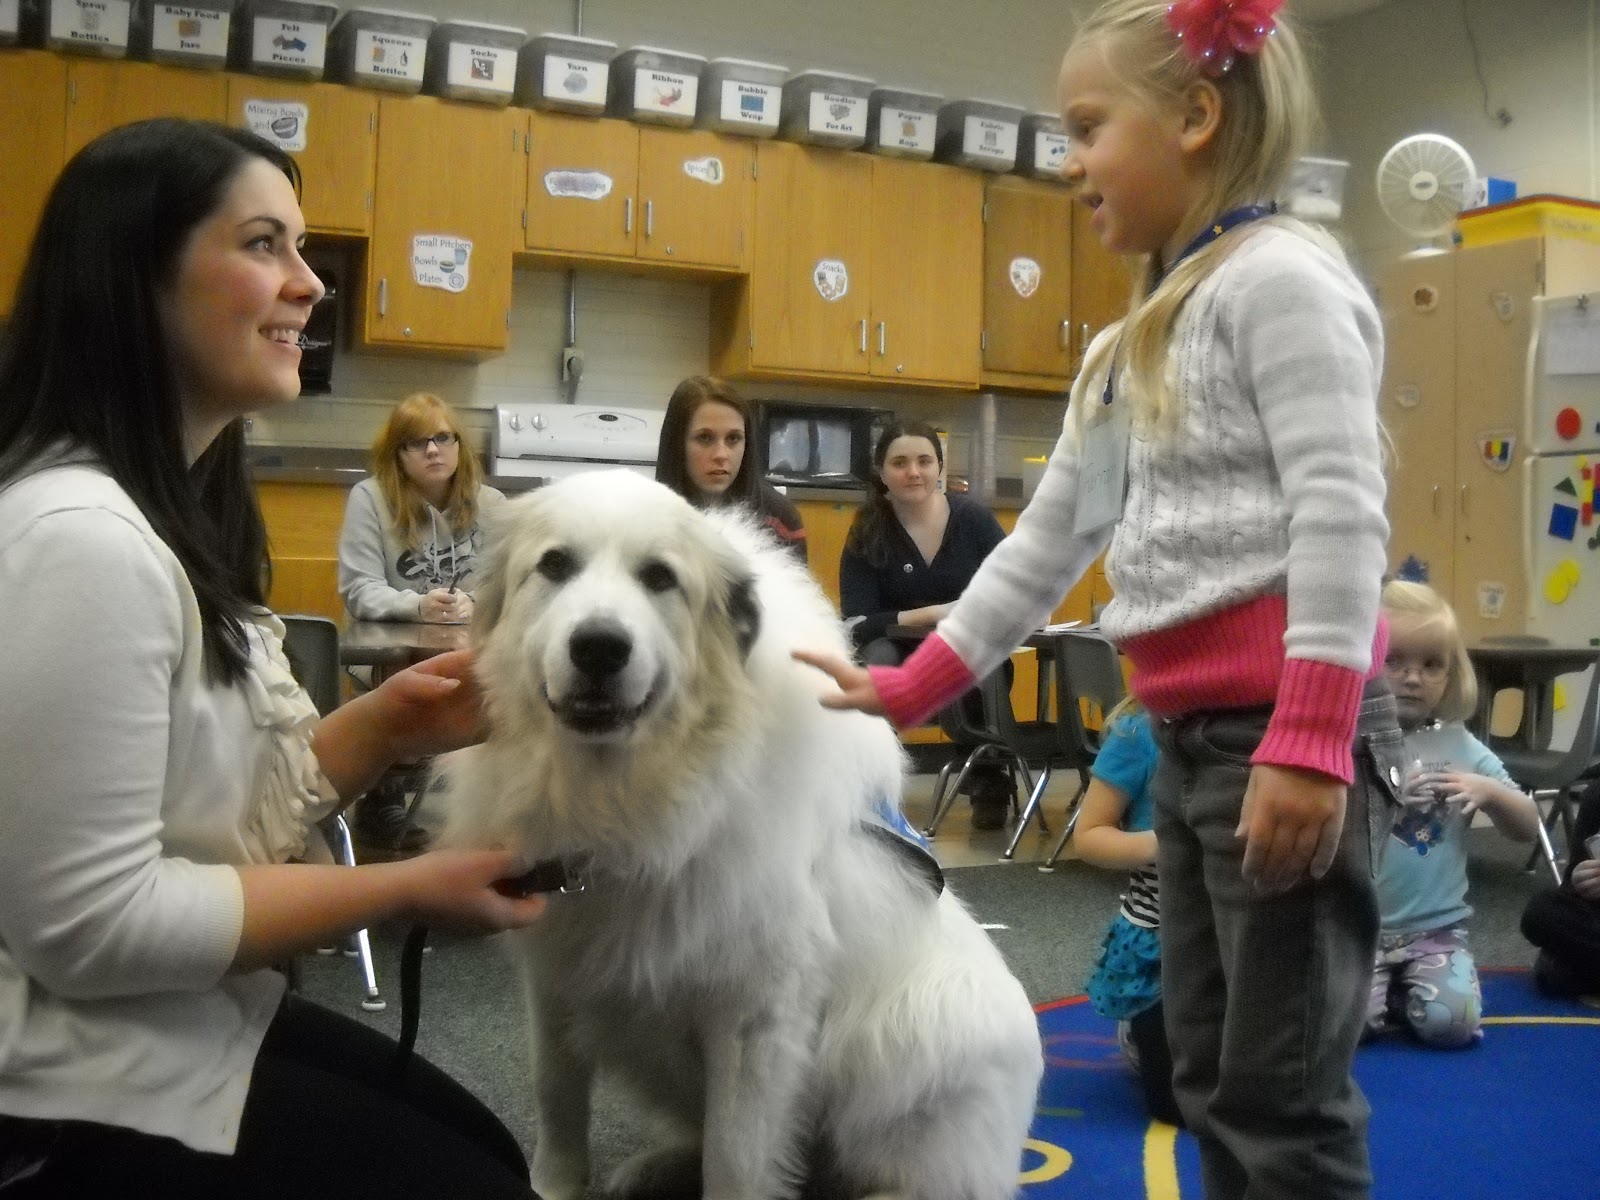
[1515,1118]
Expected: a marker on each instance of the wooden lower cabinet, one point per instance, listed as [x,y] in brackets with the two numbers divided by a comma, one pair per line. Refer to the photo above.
[303,523]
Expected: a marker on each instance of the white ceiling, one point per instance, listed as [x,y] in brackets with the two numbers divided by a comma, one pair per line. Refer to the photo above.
[1330,10]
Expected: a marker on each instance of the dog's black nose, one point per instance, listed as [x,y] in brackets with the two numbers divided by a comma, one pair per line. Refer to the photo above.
[600,648]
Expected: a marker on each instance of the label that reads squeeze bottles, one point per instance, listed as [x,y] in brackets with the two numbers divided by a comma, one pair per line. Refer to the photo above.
[487,68]
[279,43]
[833,113]
[181,30]
[90,22]
[389,55]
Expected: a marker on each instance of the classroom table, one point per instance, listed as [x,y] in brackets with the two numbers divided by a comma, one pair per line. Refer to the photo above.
[1528,667]
[392,645]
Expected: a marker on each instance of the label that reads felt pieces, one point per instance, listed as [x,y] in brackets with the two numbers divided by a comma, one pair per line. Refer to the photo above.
[750,103]
[282,122]
[488,68]
[389,55]
[90,22]
[180,30]
[280,43]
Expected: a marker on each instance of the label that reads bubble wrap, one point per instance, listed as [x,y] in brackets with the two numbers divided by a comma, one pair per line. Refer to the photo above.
[750,103]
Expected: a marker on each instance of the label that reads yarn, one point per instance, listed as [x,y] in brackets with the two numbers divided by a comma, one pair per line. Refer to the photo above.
[575,80]
[985,137]
[181,30]
[487,68]
[907,129]
[657,91]
[833,113]
[90,22]
[750,103]
[280,43]
[577,185]
[281,122]
[389,55]
[439,260]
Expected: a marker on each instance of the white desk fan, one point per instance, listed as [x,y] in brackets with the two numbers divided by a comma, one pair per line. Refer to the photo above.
[1423,182]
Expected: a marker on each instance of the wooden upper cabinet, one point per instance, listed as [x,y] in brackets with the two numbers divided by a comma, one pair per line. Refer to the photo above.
[1101,285]
[338,128]
[927,256]
[439,262]
[583,183]
[103,94]
[696,190]
[1027,280]
[33,105]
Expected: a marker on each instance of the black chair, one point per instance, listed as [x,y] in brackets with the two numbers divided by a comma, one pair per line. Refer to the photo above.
[981,736]
[311,644]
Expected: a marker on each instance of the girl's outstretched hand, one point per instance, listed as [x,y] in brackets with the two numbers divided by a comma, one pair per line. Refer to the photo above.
[1291,821]
[856,689]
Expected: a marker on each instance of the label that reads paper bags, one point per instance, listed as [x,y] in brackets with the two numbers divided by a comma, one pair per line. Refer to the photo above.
[289,43]
[281,122]
[490,68]
[439,260]
[907,129]
[833,113]
[390,55]
[189,30]
[90,22]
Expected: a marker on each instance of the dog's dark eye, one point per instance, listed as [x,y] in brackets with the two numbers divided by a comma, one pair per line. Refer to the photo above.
[658,577]
[557,566]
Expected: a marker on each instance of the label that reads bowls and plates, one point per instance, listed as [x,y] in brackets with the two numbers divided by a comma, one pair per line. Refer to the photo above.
[180,30]
[8,18]
[280,43]
[1050,151]
[389,55]
[575,80]
[707,170]
[439,260]
[658,91]
[833,113]
[907,129]
[90,22]
[751,103]
[577,185]
[281,122]
[832,279]
[488,68]
[984,137]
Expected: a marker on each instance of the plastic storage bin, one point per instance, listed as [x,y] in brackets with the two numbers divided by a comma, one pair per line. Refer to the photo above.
[1316,188]
[380,48]
[563,72]
[739,96]
[10,22]
[826,108]
[1532,216]
[281,37]
[468,60]
[902,124]
[979,133]
[98,27]
[1041,145]
[191,35]
[654,85]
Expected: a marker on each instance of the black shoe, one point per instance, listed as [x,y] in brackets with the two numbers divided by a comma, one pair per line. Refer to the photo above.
[991,800]
[381,830]
[988,815]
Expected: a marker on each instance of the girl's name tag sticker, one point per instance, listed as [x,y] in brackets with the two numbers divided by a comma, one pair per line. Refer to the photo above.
[1102,472]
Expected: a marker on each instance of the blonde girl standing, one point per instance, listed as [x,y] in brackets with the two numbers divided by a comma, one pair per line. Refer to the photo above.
[1222,446]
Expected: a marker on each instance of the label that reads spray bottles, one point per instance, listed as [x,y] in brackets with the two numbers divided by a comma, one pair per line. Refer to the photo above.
[89,23]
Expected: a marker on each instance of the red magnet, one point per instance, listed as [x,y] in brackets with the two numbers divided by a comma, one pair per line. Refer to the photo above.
[1568,423]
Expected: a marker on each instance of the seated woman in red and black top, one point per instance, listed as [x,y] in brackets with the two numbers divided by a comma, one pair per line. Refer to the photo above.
[910,552]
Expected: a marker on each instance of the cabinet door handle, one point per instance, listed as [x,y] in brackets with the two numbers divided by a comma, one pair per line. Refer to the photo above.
[1083,338]
[883,327]
[1436,499]
[1066,335]
[1463,499]
[383,296]
[863,335]
[627,215]
[649,219]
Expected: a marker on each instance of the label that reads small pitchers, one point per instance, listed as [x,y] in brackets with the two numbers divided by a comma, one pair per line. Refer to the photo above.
[280,43]
[907,129]
[988,138]
[281,122]
[90,22]
[660,91]
[182,30]
[833,113]
[487,68]
[750,103]
[439,260]
[389,55]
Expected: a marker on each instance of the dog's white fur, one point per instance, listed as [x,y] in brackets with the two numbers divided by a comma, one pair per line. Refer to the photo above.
[775,984]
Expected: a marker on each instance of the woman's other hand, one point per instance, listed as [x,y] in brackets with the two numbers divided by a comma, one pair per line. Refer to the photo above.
[856,689]
[434,706]
[455,889]
[1586,879]
[444,607]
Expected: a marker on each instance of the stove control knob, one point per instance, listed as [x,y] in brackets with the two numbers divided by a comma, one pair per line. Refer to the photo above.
[515,421]
[538,421]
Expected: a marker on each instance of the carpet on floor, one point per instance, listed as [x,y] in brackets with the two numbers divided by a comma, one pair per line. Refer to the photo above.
[1512,1118]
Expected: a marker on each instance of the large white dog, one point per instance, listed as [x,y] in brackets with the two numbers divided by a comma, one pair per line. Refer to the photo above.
[782,986]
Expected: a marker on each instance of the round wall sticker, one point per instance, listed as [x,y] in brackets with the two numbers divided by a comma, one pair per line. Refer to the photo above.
[1025,275]
[832,278]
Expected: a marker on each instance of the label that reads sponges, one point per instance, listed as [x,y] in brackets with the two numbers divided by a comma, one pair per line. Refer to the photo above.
[389,55]
[90,22]
[488,68]
[180,30]
[279,43]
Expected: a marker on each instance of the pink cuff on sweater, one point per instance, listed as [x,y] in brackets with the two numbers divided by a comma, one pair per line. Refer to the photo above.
[1302,733]
[923,684]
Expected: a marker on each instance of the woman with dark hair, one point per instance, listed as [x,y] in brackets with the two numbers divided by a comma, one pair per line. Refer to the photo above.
[162,766]
[704,456]
[910,551]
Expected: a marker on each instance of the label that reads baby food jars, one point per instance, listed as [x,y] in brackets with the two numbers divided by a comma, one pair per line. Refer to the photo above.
[575,80]
[180,30]
[488,68]
[833,113]
[983,137]
[89,22]
[750,103]
[389,55]
[907,129]
[282,122]
[1050,151]
[279,43]
[657,91]
[439,260]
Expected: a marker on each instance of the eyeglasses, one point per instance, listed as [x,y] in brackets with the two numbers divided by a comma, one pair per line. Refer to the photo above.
[420,445]
[1428,669]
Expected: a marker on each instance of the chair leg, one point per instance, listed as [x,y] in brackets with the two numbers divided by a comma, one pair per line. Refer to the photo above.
[344,851]
[1546,848]
[944,793]
[1035,797]
[1049,864]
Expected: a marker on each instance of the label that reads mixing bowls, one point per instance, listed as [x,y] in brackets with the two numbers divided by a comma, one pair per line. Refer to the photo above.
[750,103]
[440,260]
[90,22]
[658,91]
[281,122]
[907,129]
[487,68]
[279,43]
[389,55]
[575,80]
[1050,151]
[843,115]
[181,30]
[987,138]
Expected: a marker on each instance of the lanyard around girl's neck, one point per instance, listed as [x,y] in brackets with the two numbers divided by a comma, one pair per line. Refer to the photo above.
[1228,220]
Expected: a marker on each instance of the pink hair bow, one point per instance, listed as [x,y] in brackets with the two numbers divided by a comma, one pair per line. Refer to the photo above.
[1213,32]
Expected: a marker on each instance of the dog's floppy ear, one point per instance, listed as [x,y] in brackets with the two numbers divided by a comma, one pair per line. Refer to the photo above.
[744,613]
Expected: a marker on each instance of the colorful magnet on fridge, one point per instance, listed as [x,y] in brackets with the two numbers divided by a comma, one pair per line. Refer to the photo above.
[1569,424]
[1559,583]
[1558,697]
[1563,521]
[1567,488]
[1412,570]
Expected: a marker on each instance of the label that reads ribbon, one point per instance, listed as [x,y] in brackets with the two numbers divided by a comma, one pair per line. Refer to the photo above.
[1025,274]
[832,278]
[439,260]
[281,122]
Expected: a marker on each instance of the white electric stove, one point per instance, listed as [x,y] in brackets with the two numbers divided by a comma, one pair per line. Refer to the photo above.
[553,441]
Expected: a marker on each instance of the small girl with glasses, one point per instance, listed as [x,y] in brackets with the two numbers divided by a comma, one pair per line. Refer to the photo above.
[1424,979]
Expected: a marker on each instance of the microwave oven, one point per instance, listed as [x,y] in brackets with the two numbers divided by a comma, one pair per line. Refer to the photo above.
[820,445]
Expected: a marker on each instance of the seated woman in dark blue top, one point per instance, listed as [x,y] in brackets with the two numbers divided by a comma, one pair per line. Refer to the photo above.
[910,551]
